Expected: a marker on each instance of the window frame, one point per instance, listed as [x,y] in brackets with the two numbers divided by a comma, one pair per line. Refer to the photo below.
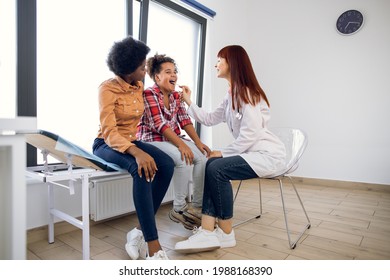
[26,77]
[26,65]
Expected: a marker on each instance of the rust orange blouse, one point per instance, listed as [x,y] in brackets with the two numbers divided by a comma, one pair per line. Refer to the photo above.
[121,107]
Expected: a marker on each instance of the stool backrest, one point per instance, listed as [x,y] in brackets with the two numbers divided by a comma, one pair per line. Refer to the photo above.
[295,140]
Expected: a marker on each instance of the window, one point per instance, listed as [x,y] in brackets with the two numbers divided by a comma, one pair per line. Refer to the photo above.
[136,18]
[180,34]
[7,59]
[177,36]
[73,39]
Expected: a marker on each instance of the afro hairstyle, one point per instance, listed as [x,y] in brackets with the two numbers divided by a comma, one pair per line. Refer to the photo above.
[126,56]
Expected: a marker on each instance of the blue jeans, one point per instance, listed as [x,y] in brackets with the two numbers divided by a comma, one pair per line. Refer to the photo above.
[147,196]
[218,193]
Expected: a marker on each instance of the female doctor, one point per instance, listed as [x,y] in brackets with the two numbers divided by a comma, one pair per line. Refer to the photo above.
[255,151]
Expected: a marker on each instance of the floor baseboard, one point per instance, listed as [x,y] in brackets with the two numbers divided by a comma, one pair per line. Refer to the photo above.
[342,184]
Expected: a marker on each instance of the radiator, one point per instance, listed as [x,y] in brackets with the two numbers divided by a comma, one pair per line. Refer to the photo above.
[113,196]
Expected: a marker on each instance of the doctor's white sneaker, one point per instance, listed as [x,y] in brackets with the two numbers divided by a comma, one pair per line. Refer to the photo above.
[136,245]
[202,240]
[226,240]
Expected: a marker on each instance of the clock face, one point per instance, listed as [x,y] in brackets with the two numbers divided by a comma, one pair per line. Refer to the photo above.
[349,22]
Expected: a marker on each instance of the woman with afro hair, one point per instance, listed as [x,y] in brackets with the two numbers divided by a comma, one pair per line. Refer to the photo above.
[121,107]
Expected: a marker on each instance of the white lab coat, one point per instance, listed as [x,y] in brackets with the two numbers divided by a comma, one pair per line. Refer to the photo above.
[258,146]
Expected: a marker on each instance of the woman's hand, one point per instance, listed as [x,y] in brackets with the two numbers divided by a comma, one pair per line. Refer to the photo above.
[186,95]
[186,153]
[215,154]
[144,161]
[203,148]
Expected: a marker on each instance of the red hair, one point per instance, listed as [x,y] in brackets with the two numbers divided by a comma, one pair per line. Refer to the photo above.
[243,81]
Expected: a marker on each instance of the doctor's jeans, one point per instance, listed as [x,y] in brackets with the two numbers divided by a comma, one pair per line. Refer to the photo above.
[147,196]
[218,192]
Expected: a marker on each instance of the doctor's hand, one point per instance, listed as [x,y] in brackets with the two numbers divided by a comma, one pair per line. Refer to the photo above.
[186,95]
[215,154]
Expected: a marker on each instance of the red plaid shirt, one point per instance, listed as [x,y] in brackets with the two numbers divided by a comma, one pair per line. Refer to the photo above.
[156,118]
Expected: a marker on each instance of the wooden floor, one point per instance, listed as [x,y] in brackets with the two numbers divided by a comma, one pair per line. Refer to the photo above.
[349,222]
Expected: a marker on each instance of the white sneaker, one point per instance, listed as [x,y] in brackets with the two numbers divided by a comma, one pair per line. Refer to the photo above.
[226,240]
[202,240]
[160,255]
[136,245]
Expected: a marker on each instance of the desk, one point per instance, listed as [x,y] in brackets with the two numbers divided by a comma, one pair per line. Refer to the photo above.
[53,179]
[13,187]
[80,165]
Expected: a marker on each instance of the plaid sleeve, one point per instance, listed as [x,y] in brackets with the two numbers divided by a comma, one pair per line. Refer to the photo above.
[182,117]
[153,113]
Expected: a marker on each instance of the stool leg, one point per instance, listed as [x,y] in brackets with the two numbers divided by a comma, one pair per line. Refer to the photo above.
[260,205]
[307,226]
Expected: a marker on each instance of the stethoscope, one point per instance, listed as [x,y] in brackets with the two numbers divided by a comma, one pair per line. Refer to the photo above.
[239,115]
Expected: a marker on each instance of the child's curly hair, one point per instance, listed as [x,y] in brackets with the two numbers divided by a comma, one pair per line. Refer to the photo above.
[153,64]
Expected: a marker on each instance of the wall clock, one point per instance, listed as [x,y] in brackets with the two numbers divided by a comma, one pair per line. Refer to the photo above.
[349,22]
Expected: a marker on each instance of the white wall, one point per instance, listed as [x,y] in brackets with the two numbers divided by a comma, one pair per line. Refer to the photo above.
[335,87]
[37,203]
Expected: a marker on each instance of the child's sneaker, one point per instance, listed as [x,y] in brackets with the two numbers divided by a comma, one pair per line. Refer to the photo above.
[178,217]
